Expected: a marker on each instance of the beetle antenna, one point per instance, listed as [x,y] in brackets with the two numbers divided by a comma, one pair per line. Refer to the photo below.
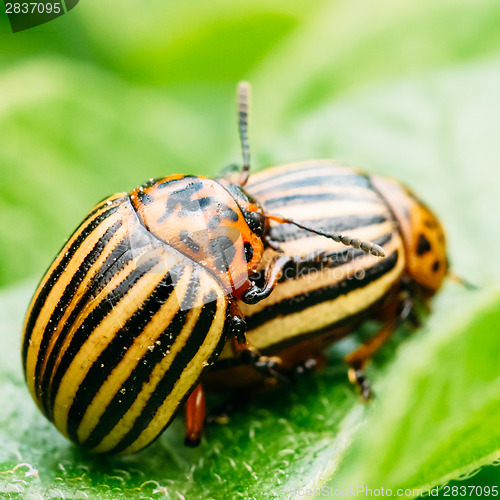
[244,89]
[366,246]
[461,281]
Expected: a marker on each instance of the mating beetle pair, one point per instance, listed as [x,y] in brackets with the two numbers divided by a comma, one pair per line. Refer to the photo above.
[154,286]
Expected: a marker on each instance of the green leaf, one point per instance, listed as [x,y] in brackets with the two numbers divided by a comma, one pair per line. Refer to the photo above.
[437,407]
[134,96]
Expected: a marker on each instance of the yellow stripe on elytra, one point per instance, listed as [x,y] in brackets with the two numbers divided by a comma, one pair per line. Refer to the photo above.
[260,185]
[120,276]
[100,338]
[157,374]
[326,313]
[326,209]
[83,287]
[103,208]
[153,330]
[66,247]
[188,377]
[55,295]
[322,189]
[271,172]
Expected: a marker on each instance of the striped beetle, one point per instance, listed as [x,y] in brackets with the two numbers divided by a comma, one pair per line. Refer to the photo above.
[326,291]
[141,300]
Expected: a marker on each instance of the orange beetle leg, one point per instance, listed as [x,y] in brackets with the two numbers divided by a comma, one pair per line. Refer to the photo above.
[195,416]
[357,360]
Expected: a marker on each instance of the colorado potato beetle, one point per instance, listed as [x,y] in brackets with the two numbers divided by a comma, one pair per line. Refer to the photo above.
[326,291]
[141,299]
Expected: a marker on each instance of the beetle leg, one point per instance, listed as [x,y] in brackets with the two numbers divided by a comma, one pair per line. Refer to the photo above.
[358,378]
[255,293]
[274,270]
[360,357]
[309,365]
[238,324]
[266,365]
[195,416]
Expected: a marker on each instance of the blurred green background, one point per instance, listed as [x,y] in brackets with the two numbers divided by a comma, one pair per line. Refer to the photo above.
[114,93]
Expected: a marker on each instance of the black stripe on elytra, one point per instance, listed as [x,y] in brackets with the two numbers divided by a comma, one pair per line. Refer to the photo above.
[345,223]
[56,274]
[331,332]
[115,351]
[172,376]
[141,374]
[301,268]
[301,302]
[116,260]
[318,169]
[70,290]
[93,320]
[333,180]
[305,199]
[104,203]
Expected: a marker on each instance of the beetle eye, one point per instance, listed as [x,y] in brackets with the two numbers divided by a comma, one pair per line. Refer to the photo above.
[256,222]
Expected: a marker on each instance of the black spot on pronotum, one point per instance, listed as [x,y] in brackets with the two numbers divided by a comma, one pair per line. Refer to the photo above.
[186,199]
[248,251]
[423,245]
[214,222]
[145,197]
[223,250]
[188,241]
[150,182]
[180,180]
[228,213]
[435,266]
